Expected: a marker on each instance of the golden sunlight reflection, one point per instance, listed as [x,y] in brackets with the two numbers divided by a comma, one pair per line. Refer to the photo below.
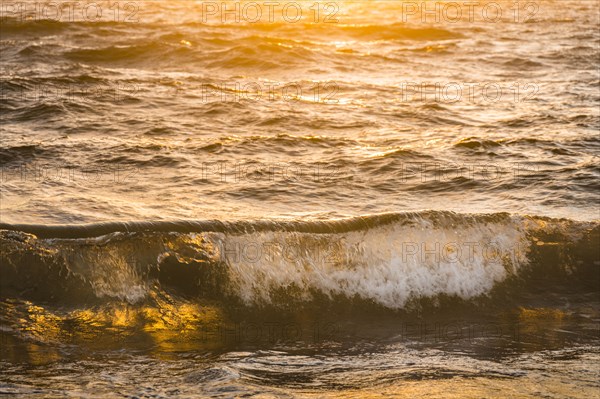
[299,199]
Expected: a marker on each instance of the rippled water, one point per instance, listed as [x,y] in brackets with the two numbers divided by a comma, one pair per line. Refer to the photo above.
[357,203]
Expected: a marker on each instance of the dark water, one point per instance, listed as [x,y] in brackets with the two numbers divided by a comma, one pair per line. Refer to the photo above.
[373,207]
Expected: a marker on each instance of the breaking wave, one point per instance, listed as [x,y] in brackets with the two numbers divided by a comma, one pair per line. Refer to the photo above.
[390,260]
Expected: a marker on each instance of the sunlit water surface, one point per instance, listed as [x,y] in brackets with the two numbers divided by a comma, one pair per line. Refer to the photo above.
[291,181]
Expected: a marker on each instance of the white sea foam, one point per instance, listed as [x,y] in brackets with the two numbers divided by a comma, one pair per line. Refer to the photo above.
[388,264]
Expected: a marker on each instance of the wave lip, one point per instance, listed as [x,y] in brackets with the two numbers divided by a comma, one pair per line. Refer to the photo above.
[197,226]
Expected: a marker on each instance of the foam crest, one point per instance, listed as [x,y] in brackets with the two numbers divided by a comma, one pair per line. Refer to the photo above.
[389,265]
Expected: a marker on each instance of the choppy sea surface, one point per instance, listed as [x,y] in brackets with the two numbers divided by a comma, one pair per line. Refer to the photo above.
[307,199]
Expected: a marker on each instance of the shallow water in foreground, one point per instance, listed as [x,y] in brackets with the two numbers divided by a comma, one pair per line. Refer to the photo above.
[523,352]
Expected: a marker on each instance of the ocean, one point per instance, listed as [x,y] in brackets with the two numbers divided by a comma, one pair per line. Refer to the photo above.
[300,199]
